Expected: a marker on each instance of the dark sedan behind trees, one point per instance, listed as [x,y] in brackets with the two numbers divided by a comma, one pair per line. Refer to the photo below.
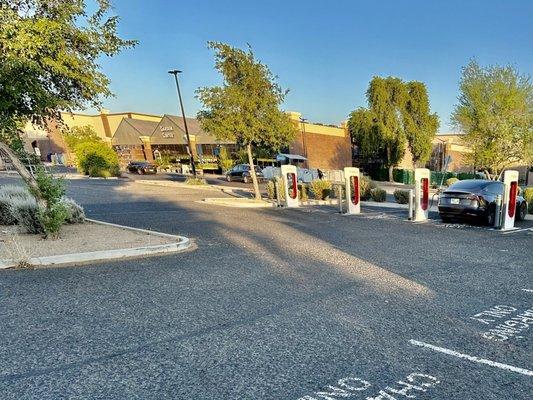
[475,199]
[141,167]
[241,172]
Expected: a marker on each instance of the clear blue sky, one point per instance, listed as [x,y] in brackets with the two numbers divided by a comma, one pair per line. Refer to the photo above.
[325,52]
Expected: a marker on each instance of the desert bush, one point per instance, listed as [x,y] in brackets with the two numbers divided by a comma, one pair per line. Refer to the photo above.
[378,195]
[55,213]
[271,190]
[8,194]
[320,188]
[302,191]
[366,185]
[27,214]
[195,181]
[52,218]
[451,181]
[401,196]
[76,214]
[528,195]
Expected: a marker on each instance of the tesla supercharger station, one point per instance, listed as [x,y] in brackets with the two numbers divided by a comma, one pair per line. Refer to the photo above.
[353,193]
[510,191]
[421,206]
[290,183]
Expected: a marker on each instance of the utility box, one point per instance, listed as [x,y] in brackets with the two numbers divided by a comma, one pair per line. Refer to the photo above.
[421,200]
[510,191]
[289,176]
[352,183]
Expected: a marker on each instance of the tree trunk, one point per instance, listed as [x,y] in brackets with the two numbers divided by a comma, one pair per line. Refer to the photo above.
[391,167]
[252,172]
[24,173]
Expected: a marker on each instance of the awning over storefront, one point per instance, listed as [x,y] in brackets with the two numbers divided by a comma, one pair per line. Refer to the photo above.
[290,157]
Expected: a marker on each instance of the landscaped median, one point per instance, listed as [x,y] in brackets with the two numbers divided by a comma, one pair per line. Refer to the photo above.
[91,241]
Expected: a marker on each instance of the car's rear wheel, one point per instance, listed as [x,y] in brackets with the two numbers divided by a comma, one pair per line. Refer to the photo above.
[140,171]
[228,178]
[245,179]
[522,212]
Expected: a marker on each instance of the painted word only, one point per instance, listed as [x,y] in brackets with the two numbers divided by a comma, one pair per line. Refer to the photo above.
[412,385]
[506,322]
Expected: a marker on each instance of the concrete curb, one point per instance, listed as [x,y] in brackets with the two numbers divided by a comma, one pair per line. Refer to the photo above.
[227,189]
[238,202]
[182,243]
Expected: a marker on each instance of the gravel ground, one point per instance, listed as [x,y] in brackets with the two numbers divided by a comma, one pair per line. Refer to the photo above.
[77,238]
[274,304]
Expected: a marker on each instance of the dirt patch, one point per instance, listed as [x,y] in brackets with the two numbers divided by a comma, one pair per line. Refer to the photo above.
[78,238]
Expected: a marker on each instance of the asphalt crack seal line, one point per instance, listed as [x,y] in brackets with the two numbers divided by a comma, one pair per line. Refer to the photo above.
[454,353]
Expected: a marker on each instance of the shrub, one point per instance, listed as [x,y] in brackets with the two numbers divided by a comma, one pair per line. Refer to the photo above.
[76,214]
[401,196]
[8,194]
[97,172]
[320,188]
[378,195]
[451,181]
[94,157]
[528,195]
[302,191]
[52,218]
[271,190]
[27,214]
[465,175]
[195,181]
[366,185]
[55,213]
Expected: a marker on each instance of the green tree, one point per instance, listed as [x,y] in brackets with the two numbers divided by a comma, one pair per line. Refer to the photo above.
[49,54]
[80,134]
[398,115]
[420,125]
[378,130]
[495,111]
[245,108]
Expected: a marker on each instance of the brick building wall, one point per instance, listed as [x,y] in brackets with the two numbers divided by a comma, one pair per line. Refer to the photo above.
[323,151]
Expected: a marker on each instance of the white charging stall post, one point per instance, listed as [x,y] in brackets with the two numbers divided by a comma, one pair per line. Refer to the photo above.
[510,191]
[421,206]
[352,179]
[289,175]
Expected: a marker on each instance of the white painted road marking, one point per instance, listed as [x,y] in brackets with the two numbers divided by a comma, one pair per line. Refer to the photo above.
[528,290]
[517,230]
[472,358]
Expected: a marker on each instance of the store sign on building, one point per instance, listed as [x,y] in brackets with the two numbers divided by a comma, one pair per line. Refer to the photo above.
[166,132]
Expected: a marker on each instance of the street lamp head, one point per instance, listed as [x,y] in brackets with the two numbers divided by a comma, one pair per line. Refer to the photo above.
[175,71]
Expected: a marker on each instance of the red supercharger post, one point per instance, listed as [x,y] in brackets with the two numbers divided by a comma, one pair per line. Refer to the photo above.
[289,176]
[421,206]
[352,182]
[510,191]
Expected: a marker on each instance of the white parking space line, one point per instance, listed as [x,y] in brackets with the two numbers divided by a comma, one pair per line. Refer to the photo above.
[472,358]
[517,230]
[528,290]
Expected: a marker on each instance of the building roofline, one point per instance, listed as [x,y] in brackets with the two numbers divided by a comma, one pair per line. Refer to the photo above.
[117,113]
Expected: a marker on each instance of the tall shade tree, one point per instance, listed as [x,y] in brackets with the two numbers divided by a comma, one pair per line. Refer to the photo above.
[419,123]
[49,52]
[245,108]
[378,130]
[495,111]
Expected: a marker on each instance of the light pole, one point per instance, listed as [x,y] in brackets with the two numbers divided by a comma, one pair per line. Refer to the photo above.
[302,120]
[175,72]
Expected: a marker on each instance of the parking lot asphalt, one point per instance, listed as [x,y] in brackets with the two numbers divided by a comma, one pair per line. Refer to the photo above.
[274,304]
